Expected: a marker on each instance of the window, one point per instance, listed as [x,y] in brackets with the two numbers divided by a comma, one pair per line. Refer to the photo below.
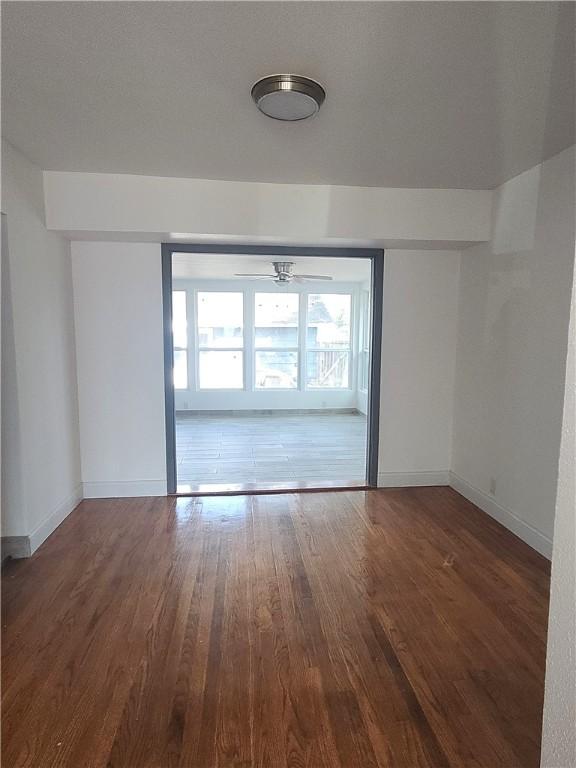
[220,323]
[276,340]
[364,342]
[296,340]
[180,335]
[328,339]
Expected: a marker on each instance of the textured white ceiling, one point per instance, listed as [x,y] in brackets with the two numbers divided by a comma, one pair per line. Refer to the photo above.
[436,94]
[225,266]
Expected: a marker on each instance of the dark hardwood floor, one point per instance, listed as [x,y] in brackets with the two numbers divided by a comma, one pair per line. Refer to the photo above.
[400,628]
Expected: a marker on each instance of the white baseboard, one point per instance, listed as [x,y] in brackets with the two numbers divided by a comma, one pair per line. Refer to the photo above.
[488,504]
[24,546]
[407,479]
[54,519]
[124,488]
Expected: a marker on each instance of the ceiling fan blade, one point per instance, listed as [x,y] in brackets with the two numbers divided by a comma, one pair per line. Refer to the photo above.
[253,274]
[313,277]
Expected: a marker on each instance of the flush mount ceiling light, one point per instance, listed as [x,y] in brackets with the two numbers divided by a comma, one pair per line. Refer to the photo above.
[288,97]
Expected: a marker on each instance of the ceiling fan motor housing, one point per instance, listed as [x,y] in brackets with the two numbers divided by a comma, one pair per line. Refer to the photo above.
[283,270]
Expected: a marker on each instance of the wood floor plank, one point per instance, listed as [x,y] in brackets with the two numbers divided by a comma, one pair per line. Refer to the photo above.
[398,628]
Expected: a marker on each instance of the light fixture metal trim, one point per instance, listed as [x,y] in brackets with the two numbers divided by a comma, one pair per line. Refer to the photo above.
[288,97]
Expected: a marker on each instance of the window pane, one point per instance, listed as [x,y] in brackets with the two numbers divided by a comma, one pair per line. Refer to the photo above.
[221,370]
[364,319]
[363,369]
[328,320]
[276,370]
[180,369]
[220,319]
[364,353]
[327,368]
[276,319]
[179,323]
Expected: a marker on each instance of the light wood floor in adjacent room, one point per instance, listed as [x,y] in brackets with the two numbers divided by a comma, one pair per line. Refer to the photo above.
[400,628]
[268,450]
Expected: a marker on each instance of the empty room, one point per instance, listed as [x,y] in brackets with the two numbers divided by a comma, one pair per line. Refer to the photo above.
[288,319]
[269,371]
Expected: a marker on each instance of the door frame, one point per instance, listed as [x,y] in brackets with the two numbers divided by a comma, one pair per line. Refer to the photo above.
[283,253]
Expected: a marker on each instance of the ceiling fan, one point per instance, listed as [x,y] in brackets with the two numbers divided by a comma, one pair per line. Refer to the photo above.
[283,274]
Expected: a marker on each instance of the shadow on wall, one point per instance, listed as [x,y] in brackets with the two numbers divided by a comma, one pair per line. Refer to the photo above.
[514,213]
[551,98]
[515,206]
[12,482]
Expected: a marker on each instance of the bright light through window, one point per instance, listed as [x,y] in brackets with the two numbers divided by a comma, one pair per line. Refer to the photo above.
[328,341]
[179,321]
[180,369]
[276,369]
[364,352]
[328,321]
[276,340]
[210,352]
[220,319]
[221,369]
[180,334]
[327,368]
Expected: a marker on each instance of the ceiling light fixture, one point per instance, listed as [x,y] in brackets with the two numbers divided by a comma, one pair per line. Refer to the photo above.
[283,274]
[288,97]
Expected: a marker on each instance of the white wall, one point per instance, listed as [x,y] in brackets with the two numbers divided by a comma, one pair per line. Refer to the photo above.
[513,324]
[291,213]
[3,305]
[118,308]
[120,367]
[40,445]
[418,359]
[559,728]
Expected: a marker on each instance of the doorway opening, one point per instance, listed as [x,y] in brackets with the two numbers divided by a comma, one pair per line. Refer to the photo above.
[272,367]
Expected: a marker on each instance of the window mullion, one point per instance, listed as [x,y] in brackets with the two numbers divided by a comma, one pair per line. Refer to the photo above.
[193,341]
[248,339]
[302,321]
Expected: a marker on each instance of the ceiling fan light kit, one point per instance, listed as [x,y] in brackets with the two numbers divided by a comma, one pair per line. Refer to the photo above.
[288,97]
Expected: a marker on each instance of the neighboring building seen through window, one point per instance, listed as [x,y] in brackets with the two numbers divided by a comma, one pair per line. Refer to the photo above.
[298,340]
